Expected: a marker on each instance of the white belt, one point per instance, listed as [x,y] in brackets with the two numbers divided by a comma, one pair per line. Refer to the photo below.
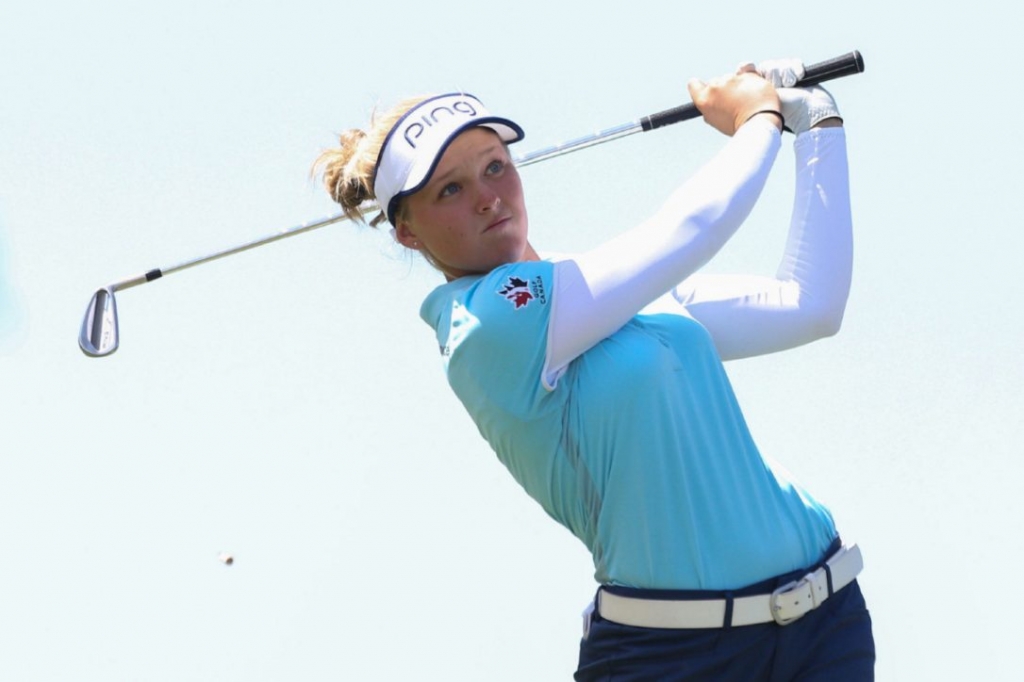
[784,605]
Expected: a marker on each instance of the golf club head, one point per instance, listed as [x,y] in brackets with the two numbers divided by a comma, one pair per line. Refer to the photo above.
[99,328]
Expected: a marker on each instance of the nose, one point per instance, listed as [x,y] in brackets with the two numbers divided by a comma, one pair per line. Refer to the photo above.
[487,200]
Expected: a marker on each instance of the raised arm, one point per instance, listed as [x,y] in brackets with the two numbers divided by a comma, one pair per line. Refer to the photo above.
[599,291]
[805,301]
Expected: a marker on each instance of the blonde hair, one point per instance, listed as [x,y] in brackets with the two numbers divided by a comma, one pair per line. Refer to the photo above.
[347,170]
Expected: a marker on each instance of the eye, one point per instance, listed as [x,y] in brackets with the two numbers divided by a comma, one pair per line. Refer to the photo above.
[448,190]
[495,167]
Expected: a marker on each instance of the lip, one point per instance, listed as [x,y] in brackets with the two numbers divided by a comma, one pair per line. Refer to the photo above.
[498,223]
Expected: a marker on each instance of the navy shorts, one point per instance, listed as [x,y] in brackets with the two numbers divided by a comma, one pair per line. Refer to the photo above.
[832,643]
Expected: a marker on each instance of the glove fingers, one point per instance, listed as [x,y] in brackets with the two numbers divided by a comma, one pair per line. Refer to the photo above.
[782,73]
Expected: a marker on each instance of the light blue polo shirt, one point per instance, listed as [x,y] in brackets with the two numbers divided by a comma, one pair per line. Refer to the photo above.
[641,450]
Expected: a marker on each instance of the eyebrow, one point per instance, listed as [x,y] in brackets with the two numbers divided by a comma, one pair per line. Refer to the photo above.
[486,151]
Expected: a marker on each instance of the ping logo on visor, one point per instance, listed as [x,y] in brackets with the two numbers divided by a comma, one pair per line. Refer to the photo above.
[414,130]
[416,143]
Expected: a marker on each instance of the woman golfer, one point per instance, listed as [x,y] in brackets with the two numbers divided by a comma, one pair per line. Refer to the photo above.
[597,378]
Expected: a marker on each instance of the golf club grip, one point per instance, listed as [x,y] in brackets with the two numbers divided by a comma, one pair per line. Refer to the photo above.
[837,67]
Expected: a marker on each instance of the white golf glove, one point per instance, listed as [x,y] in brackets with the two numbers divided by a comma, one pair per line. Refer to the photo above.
[782,73]
[804,107]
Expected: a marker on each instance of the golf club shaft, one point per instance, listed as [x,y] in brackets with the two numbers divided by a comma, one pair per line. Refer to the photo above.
[844,65]
[157,273]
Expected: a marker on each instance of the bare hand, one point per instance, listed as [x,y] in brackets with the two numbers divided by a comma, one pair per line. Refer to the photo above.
[729,101]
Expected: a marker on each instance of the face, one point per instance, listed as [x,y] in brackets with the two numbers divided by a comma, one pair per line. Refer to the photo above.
[470,217]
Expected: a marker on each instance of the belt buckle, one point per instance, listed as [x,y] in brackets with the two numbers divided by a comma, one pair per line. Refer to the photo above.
[810,581]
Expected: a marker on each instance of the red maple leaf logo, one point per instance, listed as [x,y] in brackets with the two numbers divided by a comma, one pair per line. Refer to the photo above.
[517,291]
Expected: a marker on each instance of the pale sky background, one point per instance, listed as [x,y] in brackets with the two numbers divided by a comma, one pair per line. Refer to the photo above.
[287,405]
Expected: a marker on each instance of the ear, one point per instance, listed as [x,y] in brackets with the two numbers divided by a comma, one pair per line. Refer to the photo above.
[405,236]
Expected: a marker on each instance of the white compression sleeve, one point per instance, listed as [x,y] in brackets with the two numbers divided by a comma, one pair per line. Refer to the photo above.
[750,315]
[599,291]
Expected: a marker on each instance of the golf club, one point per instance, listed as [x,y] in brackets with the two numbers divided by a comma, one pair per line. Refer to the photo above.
[99,333]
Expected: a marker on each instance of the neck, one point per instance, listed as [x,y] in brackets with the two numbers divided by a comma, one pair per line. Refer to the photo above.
[529,254]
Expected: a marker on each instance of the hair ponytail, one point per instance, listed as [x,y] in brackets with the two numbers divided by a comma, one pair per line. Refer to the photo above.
[347,170]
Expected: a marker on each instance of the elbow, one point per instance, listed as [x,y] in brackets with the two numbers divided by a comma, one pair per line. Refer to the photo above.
[816,312]
[825,318]
[822,305]
[829,325]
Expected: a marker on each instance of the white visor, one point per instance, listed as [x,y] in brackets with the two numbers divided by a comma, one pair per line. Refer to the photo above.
[419,139]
